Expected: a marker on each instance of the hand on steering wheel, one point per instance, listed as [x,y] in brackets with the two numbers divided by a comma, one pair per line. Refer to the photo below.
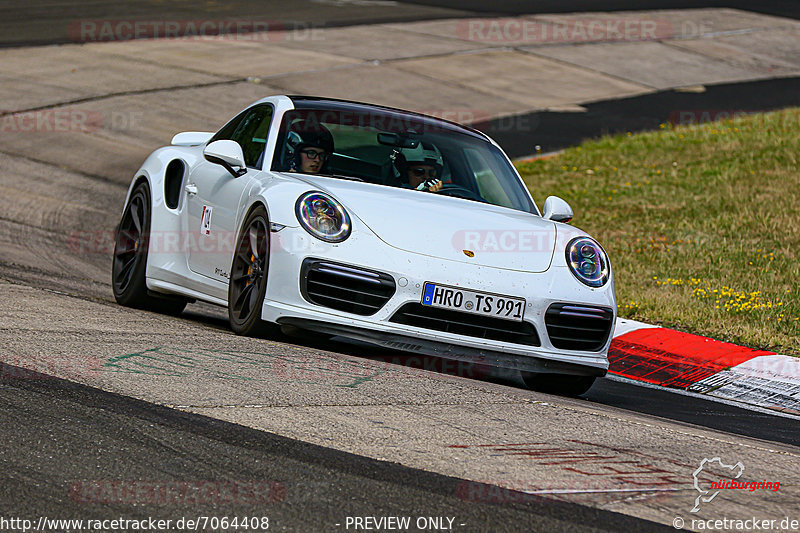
[457,191]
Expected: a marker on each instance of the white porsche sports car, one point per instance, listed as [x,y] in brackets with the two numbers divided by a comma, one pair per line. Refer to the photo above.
[372,223]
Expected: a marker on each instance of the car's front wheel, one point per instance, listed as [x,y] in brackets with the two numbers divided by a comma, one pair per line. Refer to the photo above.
[129,266]
[248,281]
[564,384]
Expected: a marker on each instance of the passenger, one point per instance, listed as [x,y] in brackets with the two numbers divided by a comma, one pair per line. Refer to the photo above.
[308,148]
[420,168]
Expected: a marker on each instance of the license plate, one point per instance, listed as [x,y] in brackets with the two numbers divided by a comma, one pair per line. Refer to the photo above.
[475,302]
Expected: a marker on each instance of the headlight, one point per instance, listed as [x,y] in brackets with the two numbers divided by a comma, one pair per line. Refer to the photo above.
[323,217]
[588,261]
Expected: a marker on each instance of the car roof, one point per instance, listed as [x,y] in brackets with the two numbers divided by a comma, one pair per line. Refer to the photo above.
[334,104]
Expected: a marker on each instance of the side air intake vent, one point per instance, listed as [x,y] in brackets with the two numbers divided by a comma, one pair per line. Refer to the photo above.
[173,178]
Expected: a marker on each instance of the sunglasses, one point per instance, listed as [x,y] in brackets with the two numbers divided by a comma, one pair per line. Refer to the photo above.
[313,154]
[421,172]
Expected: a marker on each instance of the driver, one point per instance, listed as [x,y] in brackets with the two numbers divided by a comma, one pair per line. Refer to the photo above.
[308,148]
[420,168]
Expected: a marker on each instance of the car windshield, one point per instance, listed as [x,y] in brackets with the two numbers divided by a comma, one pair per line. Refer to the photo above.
[390,148]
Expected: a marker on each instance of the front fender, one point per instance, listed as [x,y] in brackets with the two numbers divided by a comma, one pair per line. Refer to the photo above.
[279,195]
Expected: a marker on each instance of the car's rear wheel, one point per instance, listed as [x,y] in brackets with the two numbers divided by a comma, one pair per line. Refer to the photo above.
[131,243]
[563,384]
[248,281]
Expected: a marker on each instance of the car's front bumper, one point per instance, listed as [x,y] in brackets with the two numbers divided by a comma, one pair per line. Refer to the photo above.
[284,303]
[447,350]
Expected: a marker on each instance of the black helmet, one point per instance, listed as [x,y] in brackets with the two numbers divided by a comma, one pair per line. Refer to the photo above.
[302,135]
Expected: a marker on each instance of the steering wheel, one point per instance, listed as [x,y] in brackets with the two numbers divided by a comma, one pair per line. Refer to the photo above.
[457,191]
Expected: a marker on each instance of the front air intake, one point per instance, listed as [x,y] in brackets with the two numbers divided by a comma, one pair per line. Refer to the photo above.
[458,322]
[345,288]
[578,327]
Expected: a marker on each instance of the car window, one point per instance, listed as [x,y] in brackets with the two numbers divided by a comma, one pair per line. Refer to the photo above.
[250,130]
[489,187]
[396,150]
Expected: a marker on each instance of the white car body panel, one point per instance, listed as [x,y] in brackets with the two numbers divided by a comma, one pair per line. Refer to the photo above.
[220,192]
[434,225]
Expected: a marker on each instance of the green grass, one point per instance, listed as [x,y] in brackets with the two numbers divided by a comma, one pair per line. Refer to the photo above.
[702,223]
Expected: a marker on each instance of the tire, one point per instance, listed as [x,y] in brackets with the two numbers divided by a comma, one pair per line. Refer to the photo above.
[562,384]
[129,264]
[248,281]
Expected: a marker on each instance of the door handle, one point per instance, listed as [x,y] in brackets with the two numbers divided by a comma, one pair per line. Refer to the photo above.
[191,189]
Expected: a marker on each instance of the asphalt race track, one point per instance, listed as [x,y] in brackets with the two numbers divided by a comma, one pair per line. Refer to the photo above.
[109,412]
[42,21]
[302,486]
[521,7]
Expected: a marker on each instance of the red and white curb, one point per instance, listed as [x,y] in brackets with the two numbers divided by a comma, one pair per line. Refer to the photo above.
[669,358]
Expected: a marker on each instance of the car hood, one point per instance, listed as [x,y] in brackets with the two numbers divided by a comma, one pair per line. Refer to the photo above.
[445,227]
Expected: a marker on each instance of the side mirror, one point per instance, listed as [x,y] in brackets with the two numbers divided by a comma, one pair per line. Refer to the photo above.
[228,154]
[557,210]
